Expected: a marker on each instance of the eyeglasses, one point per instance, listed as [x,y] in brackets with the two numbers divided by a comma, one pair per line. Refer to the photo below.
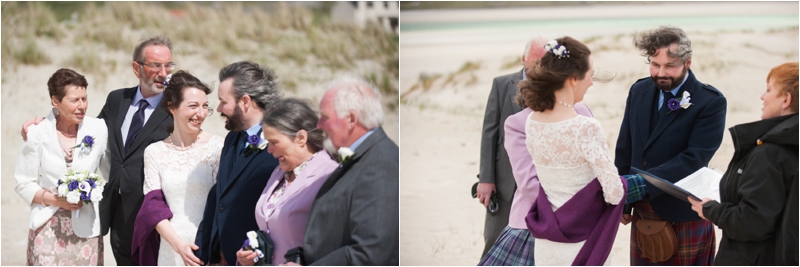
[157,66]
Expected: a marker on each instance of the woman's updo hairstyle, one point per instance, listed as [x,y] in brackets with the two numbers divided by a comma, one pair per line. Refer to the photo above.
[173,93]
[543,79]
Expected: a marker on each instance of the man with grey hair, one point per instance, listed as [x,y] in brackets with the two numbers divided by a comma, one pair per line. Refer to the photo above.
[246,90]
[672,126]
[495,175]
[354,218]
[133,123]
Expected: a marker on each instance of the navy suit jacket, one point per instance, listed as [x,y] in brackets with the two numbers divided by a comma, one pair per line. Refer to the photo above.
[231,204]
[682,142]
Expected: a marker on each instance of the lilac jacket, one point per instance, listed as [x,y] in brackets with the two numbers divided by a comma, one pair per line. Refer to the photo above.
[522,165]
[286,224]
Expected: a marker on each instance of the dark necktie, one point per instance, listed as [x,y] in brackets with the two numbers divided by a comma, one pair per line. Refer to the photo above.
[137,122]
[240,145]
[665,105]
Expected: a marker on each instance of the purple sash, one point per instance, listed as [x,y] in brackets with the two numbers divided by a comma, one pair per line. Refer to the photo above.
[146,240]
[585,216]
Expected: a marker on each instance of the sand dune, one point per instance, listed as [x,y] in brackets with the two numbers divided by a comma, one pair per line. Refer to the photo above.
[440,223]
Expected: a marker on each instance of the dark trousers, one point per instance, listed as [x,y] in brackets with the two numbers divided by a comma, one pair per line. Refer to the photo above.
[495,222]
[121,237]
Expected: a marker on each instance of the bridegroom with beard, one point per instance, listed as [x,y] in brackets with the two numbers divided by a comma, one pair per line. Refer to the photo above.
[673,125]
[245,91]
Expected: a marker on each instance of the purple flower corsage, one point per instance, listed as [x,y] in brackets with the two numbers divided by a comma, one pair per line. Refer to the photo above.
[254,144]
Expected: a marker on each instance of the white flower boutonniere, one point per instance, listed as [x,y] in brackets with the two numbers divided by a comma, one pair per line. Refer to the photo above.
[680,102]
[345,154]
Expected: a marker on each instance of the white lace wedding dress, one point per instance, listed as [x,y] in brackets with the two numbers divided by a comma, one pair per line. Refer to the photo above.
[185,177]
[568,155]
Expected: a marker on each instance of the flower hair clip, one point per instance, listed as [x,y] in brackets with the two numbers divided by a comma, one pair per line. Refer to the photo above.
[558,50]
[166,80]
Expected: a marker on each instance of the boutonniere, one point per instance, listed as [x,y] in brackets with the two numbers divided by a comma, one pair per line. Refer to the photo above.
[86,144]
[345,154]
[251,243]
[681,102]
[254,144]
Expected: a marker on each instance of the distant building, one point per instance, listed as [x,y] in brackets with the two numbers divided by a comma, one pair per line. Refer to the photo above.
[385,13]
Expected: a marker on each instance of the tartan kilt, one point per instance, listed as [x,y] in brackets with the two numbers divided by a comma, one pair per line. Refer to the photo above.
[513,247]
[696,240]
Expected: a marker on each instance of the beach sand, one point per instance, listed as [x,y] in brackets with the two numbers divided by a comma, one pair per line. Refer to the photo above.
[440,223]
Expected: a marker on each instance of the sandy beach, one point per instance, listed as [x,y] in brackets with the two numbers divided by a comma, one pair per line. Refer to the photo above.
[448,60]
[24,96]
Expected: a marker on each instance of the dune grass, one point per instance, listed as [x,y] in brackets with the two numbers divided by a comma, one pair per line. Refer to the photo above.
[222,33]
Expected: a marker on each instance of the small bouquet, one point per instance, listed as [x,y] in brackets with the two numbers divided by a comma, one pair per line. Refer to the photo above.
[81,186]
[252,243]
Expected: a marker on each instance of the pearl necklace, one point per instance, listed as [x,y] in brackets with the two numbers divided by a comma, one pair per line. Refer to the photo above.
[565,104]
[184,148]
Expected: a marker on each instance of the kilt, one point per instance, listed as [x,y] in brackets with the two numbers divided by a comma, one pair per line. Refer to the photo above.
[513,247]
[696,240]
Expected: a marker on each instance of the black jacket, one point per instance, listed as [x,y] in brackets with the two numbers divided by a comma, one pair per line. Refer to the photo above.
[759,210]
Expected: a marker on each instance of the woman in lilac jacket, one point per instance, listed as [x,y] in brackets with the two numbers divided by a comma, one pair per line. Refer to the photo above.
[514,246]
[282,210]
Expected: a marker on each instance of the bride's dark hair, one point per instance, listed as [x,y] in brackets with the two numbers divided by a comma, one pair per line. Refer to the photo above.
[543,79]
[173,93]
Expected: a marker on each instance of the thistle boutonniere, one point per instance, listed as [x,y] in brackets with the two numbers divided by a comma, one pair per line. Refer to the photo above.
[345,154]
[255,143]
[86,144]
[681,102]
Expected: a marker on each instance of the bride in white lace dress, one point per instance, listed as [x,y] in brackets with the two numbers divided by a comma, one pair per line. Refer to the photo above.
[184,167]
[568,150]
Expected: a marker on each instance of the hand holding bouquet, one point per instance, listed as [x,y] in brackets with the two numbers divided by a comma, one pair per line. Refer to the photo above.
[81,186]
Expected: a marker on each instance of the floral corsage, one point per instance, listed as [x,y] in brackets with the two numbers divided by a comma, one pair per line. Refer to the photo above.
[86,144]
[251,243]
[681,102]
[345,154]
[254,144]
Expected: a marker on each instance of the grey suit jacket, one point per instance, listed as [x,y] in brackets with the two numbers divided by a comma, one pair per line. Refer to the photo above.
[495,167]
[355,216]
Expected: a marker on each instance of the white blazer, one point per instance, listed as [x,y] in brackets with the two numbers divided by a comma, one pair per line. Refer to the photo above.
[40,164]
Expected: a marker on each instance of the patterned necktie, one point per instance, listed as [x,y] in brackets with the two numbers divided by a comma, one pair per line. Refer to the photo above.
[137,122]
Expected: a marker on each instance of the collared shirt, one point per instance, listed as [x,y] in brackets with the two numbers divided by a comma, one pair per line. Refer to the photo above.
[134,107]
[361,140]
[524,77]
[674,91]
[253,131]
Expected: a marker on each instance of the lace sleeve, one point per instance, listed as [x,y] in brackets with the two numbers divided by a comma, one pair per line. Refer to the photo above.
[595,150]
[218,142]
[152,180]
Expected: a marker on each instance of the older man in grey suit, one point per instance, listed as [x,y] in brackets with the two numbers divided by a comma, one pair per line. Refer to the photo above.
[354,218]
[495,169]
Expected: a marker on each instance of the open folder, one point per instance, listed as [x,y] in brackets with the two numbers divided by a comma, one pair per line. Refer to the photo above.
[704,183]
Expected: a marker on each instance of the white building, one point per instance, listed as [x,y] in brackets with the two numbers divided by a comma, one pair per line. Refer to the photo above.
[385,13]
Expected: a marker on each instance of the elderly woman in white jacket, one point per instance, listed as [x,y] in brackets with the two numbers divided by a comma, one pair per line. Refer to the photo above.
[62,233]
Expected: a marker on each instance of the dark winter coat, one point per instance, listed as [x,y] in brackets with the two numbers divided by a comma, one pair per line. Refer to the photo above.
[759,210]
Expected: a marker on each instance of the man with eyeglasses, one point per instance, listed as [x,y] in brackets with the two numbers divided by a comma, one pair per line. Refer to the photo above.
[133,122]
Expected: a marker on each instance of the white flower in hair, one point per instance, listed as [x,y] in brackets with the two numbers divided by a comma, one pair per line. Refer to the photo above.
[552,43]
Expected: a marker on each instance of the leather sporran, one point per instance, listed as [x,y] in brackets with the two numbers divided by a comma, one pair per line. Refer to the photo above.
[657,239]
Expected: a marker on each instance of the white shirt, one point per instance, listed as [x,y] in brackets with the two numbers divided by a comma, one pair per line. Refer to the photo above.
[134,107]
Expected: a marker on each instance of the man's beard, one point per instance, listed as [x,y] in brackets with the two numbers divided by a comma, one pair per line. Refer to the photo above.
[150,86]
[328,145]
[235,121]
[674,82]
